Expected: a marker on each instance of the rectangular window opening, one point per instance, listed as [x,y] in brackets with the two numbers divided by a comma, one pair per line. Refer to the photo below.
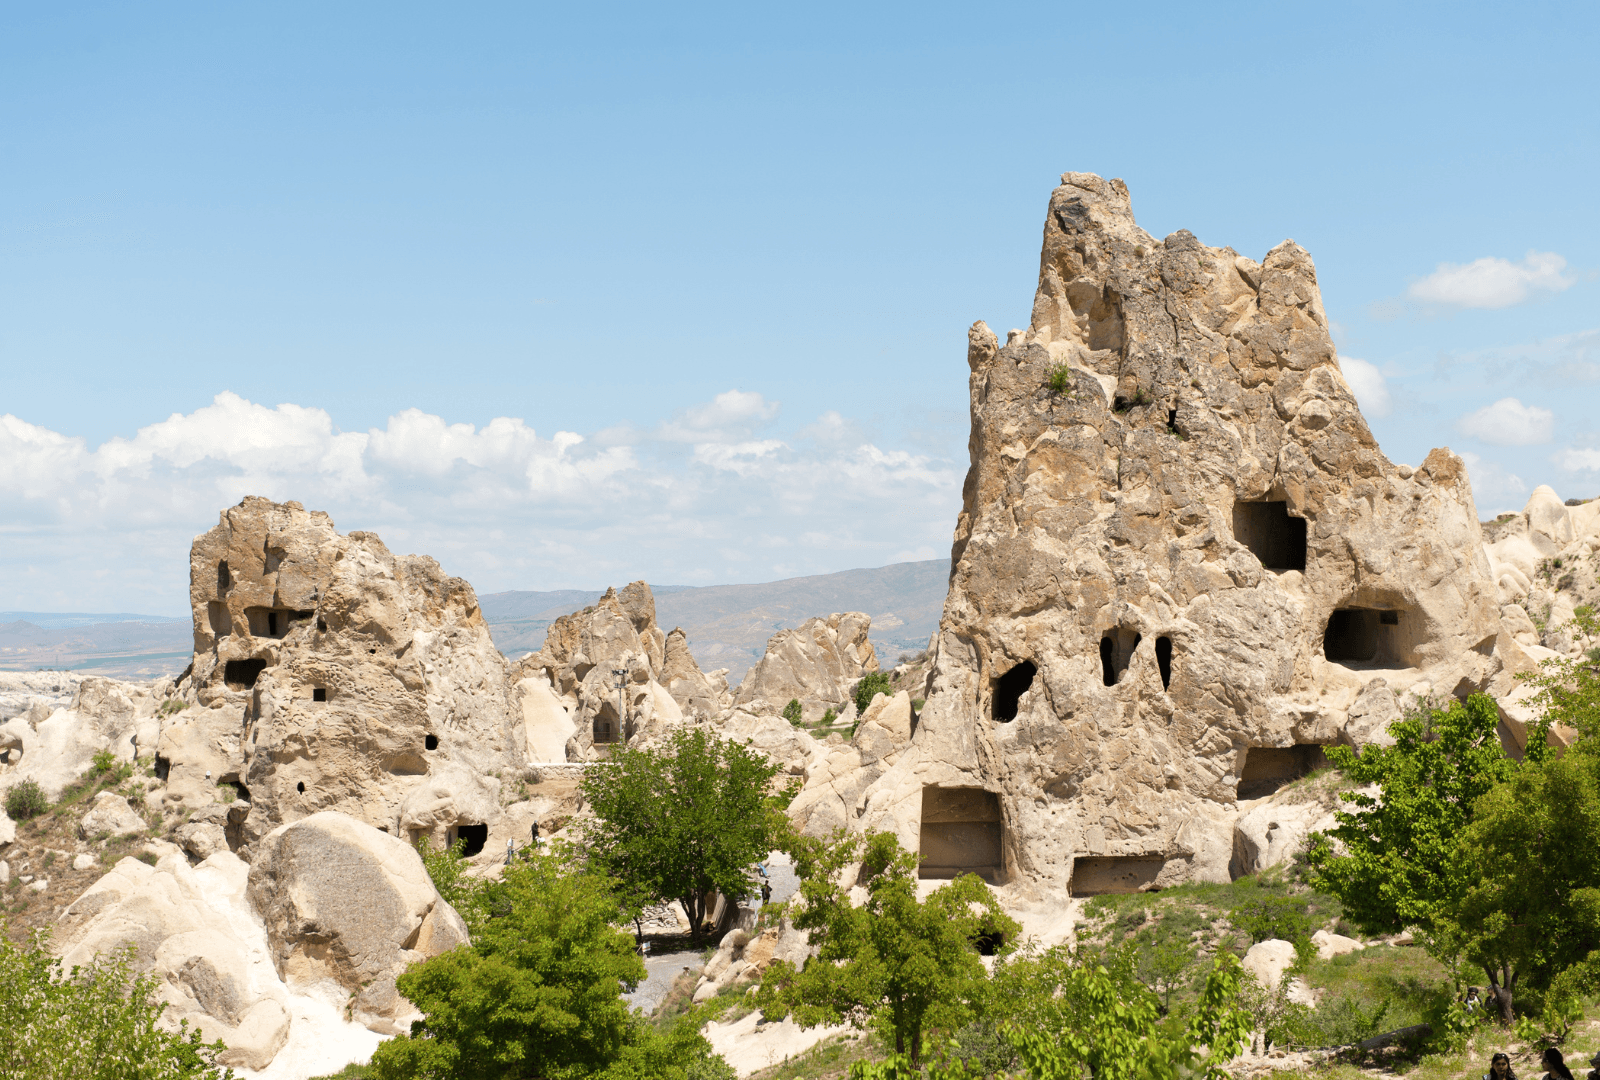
[1272,534]
[962,833]
[1093,875]
[1268,768]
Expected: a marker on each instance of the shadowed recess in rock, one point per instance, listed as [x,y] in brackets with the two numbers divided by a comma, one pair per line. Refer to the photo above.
[1009,688]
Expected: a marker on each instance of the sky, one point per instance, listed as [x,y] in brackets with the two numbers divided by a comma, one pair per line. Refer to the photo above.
[570,295]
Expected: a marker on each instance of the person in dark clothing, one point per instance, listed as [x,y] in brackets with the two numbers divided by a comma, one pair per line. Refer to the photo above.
[1594,1073]
[1500,1068]
[1556,1065]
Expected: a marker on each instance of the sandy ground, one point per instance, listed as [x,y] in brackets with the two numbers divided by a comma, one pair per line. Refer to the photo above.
[750,1046]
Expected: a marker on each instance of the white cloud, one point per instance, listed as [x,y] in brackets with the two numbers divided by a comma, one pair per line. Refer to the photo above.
[1495,489]
[1492,282]
[108,527]
[1578,459]
[1508,422]
[1368,385]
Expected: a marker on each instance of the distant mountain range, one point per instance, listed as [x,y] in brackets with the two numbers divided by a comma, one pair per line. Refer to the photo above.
[728,625]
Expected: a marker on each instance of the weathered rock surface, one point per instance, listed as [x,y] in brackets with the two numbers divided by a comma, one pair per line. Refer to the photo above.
[349,674]
[1330,945]
[347,904]
[48,691]
[54,745]
[1180,563]
[1268,960]
[111,815]
[818,664]
[579,662]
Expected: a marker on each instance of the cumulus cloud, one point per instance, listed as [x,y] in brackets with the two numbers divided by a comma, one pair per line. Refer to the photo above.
[1492,282]
[1508,422]
[710,488]
[1495,489]
[1368,385]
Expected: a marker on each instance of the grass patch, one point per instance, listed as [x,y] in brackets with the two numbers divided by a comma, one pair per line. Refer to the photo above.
[828,1060]
[350,1071]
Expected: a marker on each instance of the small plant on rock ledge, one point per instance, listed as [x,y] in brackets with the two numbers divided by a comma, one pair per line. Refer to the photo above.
[1059,379]
[792,712]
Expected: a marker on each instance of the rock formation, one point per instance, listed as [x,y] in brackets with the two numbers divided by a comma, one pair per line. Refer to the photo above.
[1181,564]
[334,675]
[818,664]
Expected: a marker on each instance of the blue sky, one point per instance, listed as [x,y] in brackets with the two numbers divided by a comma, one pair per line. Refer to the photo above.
[379,257]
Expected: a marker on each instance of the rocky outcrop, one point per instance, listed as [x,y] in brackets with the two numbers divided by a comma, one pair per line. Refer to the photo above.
[348,675]
[1181,562]
[54,745]
[818,664]
[346,904]
[578,668]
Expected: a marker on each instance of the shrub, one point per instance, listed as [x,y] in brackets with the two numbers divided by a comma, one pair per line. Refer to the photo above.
[1273,916]
[870,687]
[830,716]
[1059,381]
[26,800]
[103,761]
[791,712]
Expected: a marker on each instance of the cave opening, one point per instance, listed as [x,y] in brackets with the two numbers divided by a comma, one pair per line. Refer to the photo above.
[430,742]
[1009,688]
[962,832]
[242,674]
[1164,661]
[1272,534]
[1116,652]
[224,579]
[1095,874]
[473,837]
[1268,768]
[319,693]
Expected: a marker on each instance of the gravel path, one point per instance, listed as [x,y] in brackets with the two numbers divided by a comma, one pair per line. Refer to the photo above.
[660,972]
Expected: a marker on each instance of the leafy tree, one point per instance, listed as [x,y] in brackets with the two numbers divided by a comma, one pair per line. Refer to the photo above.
[870,686]
[895,963]
[1568,687]
[679,822]
[791,712]
[1399,865]
[1112,1029]
[538,992]
[95,1023]
[1527,906]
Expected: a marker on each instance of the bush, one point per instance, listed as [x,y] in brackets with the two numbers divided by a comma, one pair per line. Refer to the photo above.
[1273,916]
[830,716]
[791,712]
[1059,381]
[26,800]
[869,687]
[103,761]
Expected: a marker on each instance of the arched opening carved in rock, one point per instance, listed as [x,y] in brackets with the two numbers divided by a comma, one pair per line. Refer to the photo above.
[1009,688]
[1116,650]
[604,731]
[242,674]
[1271,533]
[1382,637]
[1268,768]
[430,742]
[962,833]
[474,837]
[1164,661]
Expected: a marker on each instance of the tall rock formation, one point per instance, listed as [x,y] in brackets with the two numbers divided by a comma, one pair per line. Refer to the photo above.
[817,663]
[339,676]
[1181,564]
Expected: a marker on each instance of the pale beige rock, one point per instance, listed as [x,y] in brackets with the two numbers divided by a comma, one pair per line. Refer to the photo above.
[818,664]
[1196,384]
[1268,960]
[82,862]
[749,1045]
[110,813]
[198,749]
[1272,833]
[547,723]
[303,883]
[347,673]
[1330,945]
[201,839]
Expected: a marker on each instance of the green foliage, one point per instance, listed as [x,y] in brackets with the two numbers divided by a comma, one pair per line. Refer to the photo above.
[447,869]
[1400,846]
[171,706]
[830,716]
[681,821]
[98,1023]
[1116,1031]
[26,800]
[103,761]
[896,964]
[791,712]
[870,686]
[1059,380]
[538,992]
[1568,687]
[1268,915]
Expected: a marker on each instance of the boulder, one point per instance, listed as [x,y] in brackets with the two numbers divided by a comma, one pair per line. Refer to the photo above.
[818,664]
[1268,960]
[303,883]
[1330,945]
[198,750]
[110,813]
[1272,833]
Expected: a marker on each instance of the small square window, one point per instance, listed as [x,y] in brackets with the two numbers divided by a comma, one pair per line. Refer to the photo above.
[319,694]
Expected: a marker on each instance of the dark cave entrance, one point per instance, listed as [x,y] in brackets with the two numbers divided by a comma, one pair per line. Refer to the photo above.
[1009,688]
[1272,534]
[1116,651]
[473,837]
[242,674]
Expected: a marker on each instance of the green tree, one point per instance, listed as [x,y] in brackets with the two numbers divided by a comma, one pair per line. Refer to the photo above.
[792,712]
[870,686]
[895,963]
[1568,687]
[94,1023]
[538,992]
[1527,907]
[1097,1022]
[1398,867]
[679,822]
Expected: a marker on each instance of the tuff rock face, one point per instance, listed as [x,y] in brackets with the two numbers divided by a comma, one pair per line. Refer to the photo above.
[817,664]
[346,676]
[1182,564]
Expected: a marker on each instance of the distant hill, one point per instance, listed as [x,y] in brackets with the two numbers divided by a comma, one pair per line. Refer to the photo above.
[120,644]
[728,625]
